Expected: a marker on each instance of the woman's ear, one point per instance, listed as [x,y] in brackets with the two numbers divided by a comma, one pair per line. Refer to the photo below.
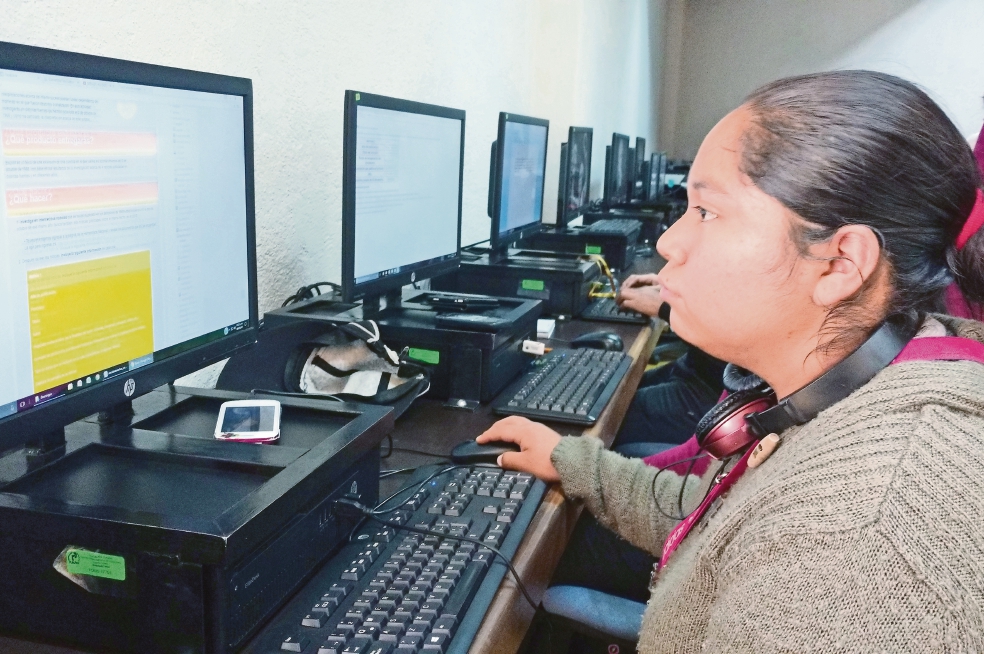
[851,257]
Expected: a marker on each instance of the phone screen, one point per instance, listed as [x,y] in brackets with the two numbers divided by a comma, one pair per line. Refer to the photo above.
[248,418]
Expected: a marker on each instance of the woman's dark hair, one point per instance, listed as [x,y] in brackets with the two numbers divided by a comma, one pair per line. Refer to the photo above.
[865,148]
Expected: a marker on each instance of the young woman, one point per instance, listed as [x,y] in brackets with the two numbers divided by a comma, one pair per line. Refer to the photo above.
[820,207]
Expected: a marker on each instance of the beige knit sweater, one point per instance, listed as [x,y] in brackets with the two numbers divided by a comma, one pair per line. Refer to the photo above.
[863,532]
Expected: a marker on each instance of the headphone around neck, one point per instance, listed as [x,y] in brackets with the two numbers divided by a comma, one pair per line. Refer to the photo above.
[752,412]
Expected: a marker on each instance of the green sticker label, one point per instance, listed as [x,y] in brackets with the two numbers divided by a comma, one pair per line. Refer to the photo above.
[357,96]
[427,356]
[592,249]
[533,285]
[94,564]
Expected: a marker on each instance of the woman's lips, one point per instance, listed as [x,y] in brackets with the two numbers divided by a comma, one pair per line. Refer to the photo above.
[666,293]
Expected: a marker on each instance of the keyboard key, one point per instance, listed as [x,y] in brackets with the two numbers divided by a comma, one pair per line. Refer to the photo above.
[294,644]
[340,589]
[436,643]
[392,632]
[368,633]
[445,626]
[314,620]
[331,647]
[348,625]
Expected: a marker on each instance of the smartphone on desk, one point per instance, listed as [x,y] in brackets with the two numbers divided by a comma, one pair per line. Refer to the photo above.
[249,421]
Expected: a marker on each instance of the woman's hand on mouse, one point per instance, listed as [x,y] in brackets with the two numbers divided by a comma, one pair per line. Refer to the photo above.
[536,443]
[640,293]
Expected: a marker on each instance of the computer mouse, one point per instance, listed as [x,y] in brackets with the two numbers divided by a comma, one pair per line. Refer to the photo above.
[599,341]
[472,452]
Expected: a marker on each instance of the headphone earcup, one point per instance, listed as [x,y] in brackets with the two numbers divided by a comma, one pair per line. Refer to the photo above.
[721,410]
[738,379]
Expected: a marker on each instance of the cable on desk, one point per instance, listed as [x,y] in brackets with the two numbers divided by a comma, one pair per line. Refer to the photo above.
[378,509]
[443,457]
[310,291]
[371,514]
[389,473]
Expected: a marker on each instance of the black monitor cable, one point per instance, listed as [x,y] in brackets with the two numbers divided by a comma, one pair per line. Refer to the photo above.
[310,291]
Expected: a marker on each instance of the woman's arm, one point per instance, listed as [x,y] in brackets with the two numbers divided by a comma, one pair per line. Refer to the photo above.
[624,494]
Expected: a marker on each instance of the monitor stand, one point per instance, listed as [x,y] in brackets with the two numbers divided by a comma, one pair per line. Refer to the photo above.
[375,306]
[44,449]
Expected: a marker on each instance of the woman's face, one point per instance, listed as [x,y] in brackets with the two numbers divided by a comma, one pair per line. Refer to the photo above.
[736,284]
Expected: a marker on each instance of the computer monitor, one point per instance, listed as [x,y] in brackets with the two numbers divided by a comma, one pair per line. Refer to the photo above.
[638,164]
[657,175]
[402,168]
[520,163]
[127,254]
[575,176]
[617,182]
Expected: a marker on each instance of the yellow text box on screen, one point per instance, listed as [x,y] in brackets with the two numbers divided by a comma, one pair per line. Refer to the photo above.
[89,316]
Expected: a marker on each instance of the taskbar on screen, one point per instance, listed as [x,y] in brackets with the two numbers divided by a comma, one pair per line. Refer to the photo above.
[87,381]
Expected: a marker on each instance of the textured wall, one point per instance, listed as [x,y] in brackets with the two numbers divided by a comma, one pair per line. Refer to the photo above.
[583,62]
[730,48]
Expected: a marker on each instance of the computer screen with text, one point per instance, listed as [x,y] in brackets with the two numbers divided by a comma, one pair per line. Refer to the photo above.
[123,229]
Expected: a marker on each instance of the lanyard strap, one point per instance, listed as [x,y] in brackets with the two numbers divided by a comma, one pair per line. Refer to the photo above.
[719,488]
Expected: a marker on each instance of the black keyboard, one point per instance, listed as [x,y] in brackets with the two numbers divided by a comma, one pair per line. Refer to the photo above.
[607,310]
[625,226]
[393,591]
[565,386]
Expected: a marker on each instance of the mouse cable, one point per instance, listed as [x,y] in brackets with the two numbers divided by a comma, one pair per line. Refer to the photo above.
[378,509]
[369,513]
[389,473]
[420,452]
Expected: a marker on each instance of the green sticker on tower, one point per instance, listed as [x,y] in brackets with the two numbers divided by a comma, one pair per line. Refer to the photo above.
[533,285]
[592,249]
[427,356]
[358,96]
[95,564]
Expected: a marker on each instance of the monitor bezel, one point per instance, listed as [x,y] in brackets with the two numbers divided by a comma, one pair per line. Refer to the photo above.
[55,414]
[637,164]
[658,162]
[499,241]
[615,198]
[423,270]
[569,215]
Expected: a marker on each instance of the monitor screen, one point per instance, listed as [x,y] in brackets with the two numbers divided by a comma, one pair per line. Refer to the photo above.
[402,188]
[618,181]
[657,175]
[640,155]
[524,164]
[578,172]
[127,223]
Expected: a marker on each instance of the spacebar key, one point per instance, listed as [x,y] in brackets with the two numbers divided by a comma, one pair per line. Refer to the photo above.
[468,583]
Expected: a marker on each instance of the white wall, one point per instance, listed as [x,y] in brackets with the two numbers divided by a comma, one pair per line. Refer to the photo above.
[582,62]
[731,47]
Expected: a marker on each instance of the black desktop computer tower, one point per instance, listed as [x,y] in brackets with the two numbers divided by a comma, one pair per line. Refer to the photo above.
[158,538]
[559,280]
[617,248]
[469,363]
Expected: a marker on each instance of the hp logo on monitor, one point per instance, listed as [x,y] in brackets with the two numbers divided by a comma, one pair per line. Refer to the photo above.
[129,387]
